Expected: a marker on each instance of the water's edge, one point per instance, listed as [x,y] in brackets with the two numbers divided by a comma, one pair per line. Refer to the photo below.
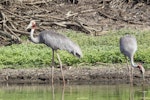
[82,75]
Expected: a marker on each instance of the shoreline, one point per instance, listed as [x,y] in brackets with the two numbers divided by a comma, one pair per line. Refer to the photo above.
[102,74]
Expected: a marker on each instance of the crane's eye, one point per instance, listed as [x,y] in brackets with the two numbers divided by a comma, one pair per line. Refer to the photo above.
[29,29]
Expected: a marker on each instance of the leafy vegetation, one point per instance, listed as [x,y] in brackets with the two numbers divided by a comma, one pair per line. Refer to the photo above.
[103,48]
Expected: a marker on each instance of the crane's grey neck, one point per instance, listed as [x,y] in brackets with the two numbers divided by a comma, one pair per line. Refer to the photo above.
[132,62]
[34,39]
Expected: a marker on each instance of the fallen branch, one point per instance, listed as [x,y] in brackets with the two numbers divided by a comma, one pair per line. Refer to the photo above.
[94,17]
[117,19]
[16,37]
[37,3]
[70,14]
[20,32]
[5,34]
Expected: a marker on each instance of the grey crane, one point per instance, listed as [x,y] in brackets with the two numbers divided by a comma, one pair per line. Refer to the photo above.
[128,46]
[55,41]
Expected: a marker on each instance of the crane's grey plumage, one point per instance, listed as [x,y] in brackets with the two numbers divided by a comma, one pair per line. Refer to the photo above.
[128,46]
[55,41]
[58,41]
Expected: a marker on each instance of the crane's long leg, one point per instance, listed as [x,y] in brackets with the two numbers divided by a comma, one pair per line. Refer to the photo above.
[132,69]
[61,67]
[63,90]
[53,92]
[129,69]
[52,69]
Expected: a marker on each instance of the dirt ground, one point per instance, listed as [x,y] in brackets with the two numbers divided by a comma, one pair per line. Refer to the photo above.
[95,17]
[99,74]
[89,16]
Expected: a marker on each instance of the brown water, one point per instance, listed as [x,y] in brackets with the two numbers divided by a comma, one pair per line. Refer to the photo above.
[74,92]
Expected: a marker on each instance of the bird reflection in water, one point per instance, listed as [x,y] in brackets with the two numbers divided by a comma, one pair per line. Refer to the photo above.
[53,92]
[141,92]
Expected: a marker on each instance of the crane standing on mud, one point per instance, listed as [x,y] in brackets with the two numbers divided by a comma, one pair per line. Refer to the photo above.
[55,41]
[128,46]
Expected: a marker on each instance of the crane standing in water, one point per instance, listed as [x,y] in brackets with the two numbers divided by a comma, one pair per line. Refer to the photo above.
[55,41]
[128,46]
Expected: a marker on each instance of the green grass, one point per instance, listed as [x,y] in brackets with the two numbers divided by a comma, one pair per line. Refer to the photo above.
[95,49]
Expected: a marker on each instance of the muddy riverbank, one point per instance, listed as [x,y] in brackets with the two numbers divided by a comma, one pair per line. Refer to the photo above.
[99,74]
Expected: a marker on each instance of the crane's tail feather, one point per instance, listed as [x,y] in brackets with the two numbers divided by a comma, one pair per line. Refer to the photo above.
[77,52]
[78,55]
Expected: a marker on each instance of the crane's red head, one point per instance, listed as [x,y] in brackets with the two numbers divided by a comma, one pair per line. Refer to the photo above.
[142,70]
[31,25]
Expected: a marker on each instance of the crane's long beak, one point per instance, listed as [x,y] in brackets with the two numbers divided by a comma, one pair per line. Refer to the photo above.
[29,26]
